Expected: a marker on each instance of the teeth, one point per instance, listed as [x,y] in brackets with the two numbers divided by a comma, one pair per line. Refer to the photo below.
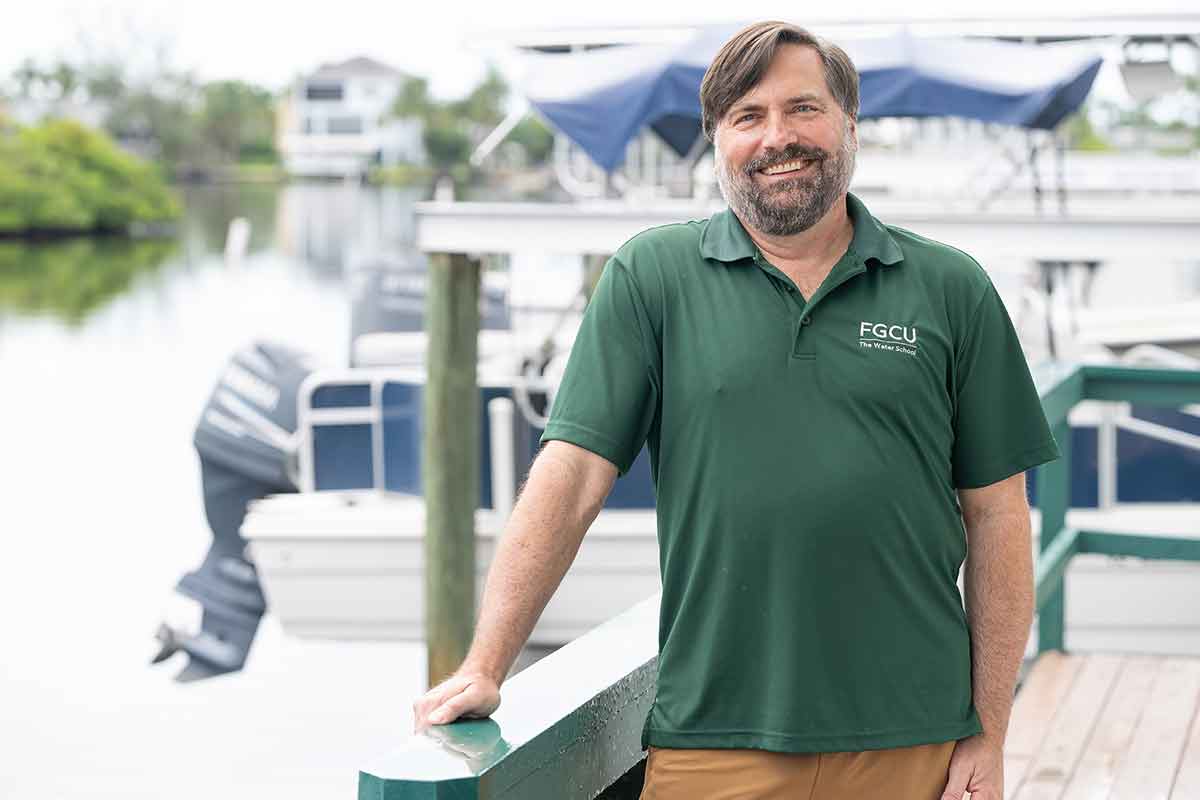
[784,167]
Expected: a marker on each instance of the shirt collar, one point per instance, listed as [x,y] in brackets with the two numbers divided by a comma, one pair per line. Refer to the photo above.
[724,238]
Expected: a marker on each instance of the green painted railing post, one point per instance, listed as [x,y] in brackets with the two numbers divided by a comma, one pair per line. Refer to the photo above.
[1054,498]
[450,460]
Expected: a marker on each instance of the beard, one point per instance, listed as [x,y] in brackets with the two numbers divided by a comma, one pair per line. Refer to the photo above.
[792,205]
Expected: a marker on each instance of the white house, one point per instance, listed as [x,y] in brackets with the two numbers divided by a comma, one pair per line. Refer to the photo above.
[335,122]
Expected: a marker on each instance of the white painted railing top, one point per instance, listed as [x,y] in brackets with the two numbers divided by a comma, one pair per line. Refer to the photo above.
[1168,234]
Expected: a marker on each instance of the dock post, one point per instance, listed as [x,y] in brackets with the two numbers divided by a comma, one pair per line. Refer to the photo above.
[450,460]
[1054,498]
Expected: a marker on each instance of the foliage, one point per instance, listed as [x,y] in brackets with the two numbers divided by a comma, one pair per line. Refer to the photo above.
[446,139]
[168,116]
[453,129]
[534,138]
[1082,135]
[237,121]
[413,100]
[400,175]
[63,177]
[74,278]
[484,105]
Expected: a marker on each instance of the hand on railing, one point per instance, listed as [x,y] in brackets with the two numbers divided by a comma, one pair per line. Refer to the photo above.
[469,695]
[477,742]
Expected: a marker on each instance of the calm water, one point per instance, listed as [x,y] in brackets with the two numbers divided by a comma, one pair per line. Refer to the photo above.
[108,350]
[107,353]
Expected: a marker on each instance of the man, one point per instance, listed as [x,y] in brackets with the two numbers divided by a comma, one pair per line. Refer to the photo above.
[838,413]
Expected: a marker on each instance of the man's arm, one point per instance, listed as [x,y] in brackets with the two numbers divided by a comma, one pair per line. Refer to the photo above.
[566,488]
[998,584]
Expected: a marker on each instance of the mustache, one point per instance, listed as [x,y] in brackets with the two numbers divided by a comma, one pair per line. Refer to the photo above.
[790,153]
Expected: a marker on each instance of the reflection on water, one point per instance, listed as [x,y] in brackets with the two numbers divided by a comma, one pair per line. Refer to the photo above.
[332,227]
[318,230]
[210,209]
[71,279]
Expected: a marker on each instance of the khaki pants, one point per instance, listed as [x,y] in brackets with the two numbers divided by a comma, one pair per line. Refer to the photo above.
[903,773]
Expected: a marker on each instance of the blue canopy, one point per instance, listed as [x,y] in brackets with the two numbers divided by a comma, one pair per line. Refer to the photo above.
[601,99]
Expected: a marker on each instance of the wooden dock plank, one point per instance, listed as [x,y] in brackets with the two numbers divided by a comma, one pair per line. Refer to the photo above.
[1187,780]
[1149,766]
[1014,767]
[1097,769]
[1033,713]
[1047,777]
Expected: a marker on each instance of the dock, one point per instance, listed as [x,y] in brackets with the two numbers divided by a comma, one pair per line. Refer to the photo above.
[1106,725]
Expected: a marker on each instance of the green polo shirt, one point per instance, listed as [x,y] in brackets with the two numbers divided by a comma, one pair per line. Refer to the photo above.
[805,455]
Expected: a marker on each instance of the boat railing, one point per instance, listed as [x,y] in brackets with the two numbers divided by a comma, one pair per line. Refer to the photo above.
[347,411]
[569,726]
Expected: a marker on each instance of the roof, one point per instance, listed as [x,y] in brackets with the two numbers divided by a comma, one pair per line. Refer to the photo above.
[359,66]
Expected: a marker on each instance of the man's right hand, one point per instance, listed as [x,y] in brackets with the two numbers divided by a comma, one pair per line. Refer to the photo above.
[467,695]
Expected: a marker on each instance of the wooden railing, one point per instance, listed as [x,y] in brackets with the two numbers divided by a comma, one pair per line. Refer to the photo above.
[569,727]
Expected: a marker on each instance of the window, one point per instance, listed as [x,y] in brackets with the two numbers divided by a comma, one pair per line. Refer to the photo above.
[345,125]
[323,91]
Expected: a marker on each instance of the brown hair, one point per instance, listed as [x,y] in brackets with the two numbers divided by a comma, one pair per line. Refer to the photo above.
[743,60]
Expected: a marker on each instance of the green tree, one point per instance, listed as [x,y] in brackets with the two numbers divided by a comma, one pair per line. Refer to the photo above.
[452,129]
[27,75]
[65,78]
[534,138]
[64,177]
[161,116]
[1081,134]
[484,105]
[413,99]
[446,140]
[104,81]
[237,121]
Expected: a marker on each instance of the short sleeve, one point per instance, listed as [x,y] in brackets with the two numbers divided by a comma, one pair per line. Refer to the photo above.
[999,426]
[608,396]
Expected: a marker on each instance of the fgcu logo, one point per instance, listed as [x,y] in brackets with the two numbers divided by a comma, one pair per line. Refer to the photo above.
[885,336]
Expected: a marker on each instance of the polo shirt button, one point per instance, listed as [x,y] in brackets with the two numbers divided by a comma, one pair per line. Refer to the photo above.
[806,321]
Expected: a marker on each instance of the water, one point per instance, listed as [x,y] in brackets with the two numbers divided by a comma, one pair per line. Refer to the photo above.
[108,351]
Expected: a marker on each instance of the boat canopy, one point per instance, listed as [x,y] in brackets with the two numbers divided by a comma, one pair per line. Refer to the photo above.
[601,99]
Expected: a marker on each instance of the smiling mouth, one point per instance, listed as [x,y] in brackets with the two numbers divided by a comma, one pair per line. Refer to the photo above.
[787,167]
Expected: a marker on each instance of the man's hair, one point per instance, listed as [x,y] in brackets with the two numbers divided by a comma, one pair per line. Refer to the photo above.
[744,59]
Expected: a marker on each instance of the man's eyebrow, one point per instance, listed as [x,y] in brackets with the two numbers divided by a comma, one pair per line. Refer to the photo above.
[750,105]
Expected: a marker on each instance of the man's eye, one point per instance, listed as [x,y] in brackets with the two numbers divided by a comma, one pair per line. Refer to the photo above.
[743,118]
[805,107]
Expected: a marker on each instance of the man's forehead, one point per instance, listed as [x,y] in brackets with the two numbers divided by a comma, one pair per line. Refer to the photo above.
[795,71]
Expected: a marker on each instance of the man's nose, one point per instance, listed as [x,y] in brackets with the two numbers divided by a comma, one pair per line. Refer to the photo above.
[777,133]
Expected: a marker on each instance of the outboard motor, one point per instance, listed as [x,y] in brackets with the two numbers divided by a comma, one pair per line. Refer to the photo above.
[247,448]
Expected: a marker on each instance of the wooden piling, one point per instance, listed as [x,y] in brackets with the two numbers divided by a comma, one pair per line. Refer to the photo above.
[450,460]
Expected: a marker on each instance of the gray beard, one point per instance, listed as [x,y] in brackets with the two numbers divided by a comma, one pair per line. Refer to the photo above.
[790,206]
